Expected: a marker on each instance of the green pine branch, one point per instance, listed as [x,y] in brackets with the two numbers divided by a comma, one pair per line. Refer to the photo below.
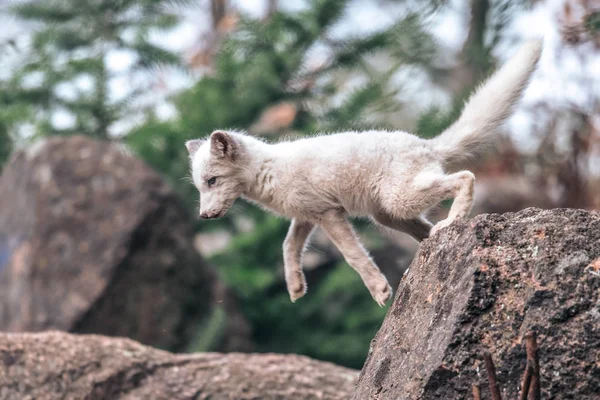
[49,11]
[151,56]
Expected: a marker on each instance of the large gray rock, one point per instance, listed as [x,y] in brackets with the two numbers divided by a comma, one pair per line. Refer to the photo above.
[92,240]
[53,365]
[480,285]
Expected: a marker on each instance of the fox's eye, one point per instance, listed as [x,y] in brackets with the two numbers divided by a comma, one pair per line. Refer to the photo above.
[211,181]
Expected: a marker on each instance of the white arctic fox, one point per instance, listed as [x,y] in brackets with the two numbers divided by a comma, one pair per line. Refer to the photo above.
[392,177]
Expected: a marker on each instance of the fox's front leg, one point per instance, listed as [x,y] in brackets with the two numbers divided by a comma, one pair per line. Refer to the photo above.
[343,236]
[293,247]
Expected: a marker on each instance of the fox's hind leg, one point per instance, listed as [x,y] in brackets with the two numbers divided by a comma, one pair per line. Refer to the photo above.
[461,186]
[418,227]
[430,189]
[293,247]
[427,189]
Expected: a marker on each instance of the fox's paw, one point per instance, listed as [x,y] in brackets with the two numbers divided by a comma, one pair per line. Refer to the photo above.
[440,225]
[296,285]
[380,290]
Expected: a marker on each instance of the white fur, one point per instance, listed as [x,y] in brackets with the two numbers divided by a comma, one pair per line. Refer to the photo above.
[392,177]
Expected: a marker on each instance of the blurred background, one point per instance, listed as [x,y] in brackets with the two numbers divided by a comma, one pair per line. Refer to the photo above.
[93,240]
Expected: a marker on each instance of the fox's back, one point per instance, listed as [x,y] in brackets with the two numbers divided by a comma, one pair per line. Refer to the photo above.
[345,169]
[355,147]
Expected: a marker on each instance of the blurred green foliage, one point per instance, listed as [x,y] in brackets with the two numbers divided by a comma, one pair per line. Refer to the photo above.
[6,145]
[65,67]
[335,321]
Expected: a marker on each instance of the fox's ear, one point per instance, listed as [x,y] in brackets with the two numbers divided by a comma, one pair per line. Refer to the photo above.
[193,145]
[223,144]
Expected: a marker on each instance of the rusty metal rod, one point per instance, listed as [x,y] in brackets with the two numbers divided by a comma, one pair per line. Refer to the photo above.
[525,384]
[476,392]
[491,373]
[533,363]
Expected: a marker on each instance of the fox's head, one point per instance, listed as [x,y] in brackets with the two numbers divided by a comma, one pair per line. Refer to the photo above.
[217,171]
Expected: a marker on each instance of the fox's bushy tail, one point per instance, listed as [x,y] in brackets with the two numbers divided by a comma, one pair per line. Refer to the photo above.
[491,104]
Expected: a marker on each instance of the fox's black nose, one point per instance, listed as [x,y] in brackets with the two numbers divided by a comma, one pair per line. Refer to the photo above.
[211,214]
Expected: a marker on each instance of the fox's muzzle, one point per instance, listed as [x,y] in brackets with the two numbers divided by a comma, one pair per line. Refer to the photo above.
[211,215]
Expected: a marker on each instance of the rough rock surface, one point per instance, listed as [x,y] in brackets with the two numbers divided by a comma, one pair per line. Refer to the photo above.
[92,240]
[481,284]
[53,365]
